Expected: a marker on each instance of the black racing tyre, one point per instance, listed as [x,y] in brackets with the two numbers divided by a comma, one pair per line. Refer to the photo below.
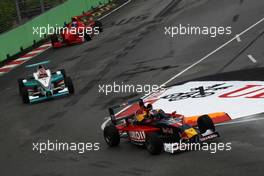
[153,144]
[20,85]
[99,25]
[69,85]
[24,94]
[63,72]
[111,136]
[54,39]
[205,123]
[87,37]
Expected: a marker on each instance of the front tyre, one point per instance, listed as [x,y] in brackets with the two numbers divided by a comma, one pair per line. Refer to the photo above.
[54,39]
[69,84]
[111,136]
[153,144]
[20,85]
[87,37]
[205,123]
[24,94]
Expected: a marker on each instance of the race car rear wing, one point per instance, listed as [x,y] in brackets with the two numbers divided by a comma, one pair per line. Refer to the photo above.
[128,103]
[37,64]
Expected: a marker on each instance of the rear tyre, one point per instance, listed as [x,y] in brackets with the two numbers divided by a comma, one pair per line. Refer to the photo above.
[24,94]
[111,136]
[153,144]
[87,37]
[99,25]
[205,123]
[54,39]
[69,85]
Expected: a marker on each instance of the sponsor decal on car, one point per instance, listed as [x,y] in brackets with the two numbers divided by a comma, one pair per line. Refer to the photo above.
[167,130]
[137,136]
[212,136]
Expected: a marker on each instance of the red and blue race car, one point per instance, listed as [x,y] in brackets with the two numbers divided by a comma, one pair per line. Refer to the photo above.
[154,129]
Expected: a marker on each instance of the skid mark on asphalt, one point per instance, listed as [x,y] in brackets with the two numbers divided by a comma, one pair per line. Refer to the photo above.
[114,37]
[63,156]
[44,128]
[70,59]
[170,9]
[102,164]
[144,30]
[179,6]
[57,115]
[145,69]
[91,49]
[169,55]
[105,104]
[235,18]
[134,19]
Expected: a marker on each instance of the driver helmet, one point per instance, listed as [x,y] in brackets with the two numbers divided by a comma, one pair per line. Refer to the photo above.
[156,112]
[149,107]
[42,72]
[74,22]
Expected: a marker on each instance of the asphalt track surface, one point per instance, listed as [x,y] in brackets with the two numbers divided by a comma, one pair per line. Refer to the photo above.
[136,52]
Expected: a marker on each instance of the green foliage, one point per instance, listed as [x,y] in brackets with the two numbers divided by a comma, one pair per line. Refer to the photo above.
[7,14]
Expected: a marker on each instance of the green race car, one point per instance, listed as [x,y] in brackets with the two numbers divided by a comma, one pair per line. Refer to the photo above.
[44,84]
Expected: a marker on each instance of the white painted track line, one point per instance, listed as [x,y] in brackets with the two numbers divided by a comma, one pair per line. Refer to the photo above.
[252,59]
[106,15]
[35,51]
[23,58]
[10,66]
[46,45]
[238,38]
